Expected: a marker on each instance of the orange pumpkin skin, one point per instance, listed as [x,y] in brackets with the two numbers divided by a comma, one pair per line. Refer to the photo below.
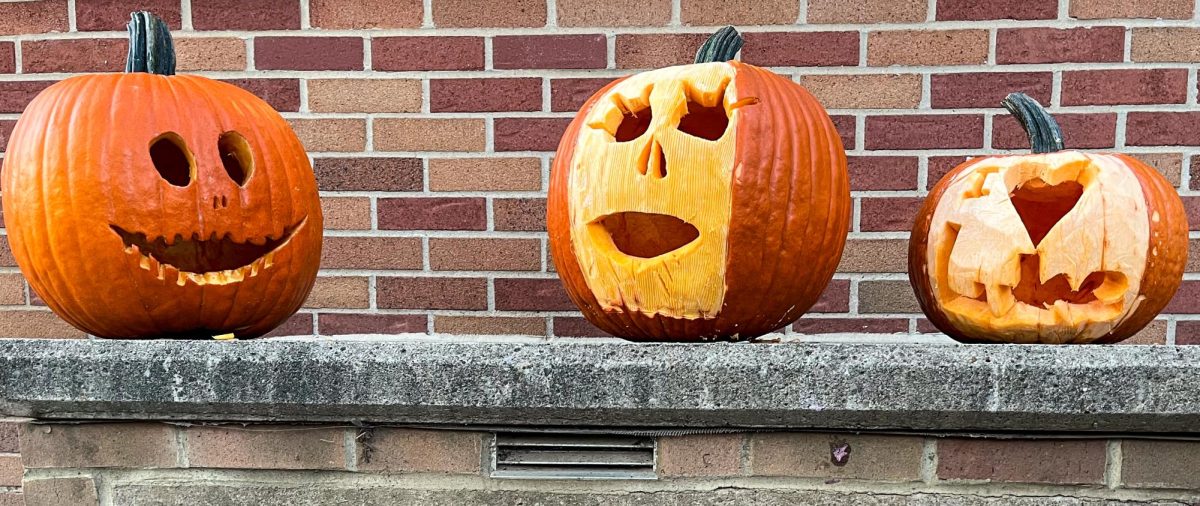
[786,231]
[78,167]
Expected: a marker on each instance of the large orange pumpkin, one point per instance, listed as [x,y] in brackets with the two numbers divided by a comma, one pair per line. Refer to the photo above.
[1054,247]
[705,201]
[146,204]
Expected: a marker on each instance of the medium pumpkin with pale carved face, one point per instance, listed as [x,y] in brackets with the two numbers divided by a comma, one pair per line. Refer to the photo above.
[145,204]
[706,201]
[1054,247]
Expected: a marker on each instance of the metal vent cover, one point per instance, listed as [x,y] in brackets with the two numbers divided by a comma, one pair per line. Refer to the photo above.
[573,456]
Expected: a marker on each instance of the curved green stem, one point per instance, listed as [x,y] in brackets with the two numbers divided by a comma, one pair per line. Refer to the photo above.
[1044,134]
[722,46]
[150,47]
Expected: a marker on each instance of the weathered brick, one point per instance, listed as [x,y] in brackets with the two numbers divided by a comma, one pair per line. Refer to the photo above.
[308,53]
[73,55]
[1060,45]
[15,95]
[723,12]
[421,451]
[986,89]
[549,51]
[700,455]
[886,297]
[18,18]
[364,95]
[1187,332]
[490,325]
[426,53]
[498,14]
[856,325]
[1154,332]
[337,324]
[340,252]
[569,94]
[1165,44]
[331,134]
[1080,131]
[521,214]
[74,491]
[238,15]
[1027,461]
[866,11]
[874,255]
[10,437]
[930,131]
[369,174]
[801,49]
[485,95]
[299,324]
[939,166]
[282,94]
[1193,264]
[35,324]
[835,298]
[1162,128]
[845,456]
[648,51]
[864,91]
[12,292]
[889,213]
[11,470]
[1191,206]
[484,254]
[845,125]
[210,53]
[528,134]
[350,292]
[131,445]
[431,293]
[574,326]
[365,14]
[111,15]
[1125,86]
[927,47]
[266,447]
[1187,299]
[524,294]
[12,499]
[429,134]
[613,13]
[1160,464]
[8,57]
[1170,165]
[6,128]
[882,172]
[346,213]
[973,10]
[1102,9]
[432,213]
[485,174]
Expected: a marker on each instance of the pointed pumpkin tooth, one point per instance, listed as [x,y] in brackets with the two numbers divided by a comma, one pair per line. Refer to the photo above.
[254,267]
[182,279]
[161,271]
[144,263]
[269,259]
[1000,299]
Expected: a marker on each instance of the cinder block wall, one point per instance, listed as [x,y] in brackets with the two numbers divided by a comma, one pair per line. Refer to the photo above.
[432,123]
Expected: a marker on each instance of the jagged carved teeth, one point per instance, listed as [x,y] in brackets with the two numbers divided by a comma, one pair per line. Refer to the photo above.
[217,259]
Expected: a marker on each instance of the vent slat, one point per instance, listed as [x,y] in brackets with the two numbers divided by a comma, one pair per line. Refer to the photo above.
[581,458]
[578,442]
[571,456]
[558,473]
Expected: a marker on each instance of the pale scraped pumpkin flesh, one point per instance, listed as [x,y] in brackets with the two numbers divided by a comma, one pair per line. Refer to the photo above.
[1039,248]
[651,194]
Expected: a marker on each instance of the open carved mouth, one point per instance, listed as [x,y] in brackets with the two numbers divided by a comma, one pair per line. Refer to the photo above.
[214,260]
[645,235]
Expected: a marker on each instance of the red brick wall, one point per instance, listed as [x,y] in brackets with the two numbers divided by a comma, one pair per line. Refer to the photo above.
[432,130]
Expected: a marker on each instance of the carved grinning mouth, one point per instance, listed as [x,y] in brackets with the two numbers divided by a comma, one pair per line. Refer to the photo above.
[216,260]
[646,235]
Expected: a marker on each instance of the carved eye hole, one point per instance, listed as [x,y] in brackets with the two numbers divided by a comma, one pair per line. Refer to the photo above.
[634,123]
[704,121]
[172,159]
[236,157]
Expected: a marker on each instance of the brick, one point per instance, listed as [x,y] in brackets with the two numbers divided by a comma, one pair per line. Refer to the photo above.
[421,451]
[73,55]
[723,12]
[1193,264]
[524,294]
[972,10]
[349,292]
[843,456]
[549,51]
[485,174]
[484,254]
[1055,45]
[308,53]
[8,58]
[431,293]
[12,292]
[1165,44]
[1187,299]
[835,298]
[927,47]
[1187,332]
[986,89]
[238,15]
[649,51]
[299,324]
[882,172]
[369,174]
[266,447]
[1121,87]
[529,134]
[939,166]
[1162,128]
[12,499]
[364,95]
[1027,461]
[874,255]
[569,94]
[337,324]
[10,437]
[856,325]
[1160,464]
[11,470]
[589,13]
[485,95]
[866,11]
[365,14]
[432,213]
[76,491]
[895,214]
[282,94]
[129,445]
[1102,9]
[331,134]
[340,252]
[490,325]
[865,91]
[700,455]
[1153,333]
[346,213]
[931,131]
[498,14]
[886,297]
[426,53]
[845,125]
[1080,131]
[6,256]
[15,95]
[573,326]
[429,134]
[522,214]
[1168,164]
[803,49]
[18,18]
[210,53]
[35,324]
[1191,207]
[112,15]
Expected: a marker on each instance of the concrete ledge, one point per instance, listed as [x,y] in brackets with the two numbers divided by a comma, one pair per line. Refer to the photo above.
[440,381]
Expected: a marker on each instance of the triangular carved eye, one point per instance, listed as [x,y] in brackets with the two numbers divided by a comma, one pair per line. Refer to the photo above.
[634,123]
[236,157]
[705,122]
[1041,206]
[172,160]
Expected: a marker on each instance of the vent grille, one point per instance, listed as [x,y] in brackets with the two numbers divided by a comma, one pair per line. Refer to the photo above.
[570,456]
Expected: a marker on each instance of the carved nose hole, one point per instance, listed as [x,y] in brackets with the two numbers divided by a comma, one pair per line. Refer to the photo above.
[653,160]
[1041,206]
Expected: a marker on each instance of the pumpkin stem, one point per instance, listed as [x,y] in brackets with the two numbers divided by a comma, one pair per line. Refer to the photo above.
[722,46]
[150,47]
[1044,134]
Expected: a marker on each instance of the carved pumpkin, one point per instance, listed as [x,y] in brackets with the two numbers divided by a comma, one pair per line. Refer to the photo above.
[145,204]
[705,201]
[1054,247]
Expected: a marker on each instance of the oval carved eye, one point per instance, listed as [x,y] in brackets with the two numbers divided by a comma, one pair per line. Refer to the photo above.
[172,159]
[236,157]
